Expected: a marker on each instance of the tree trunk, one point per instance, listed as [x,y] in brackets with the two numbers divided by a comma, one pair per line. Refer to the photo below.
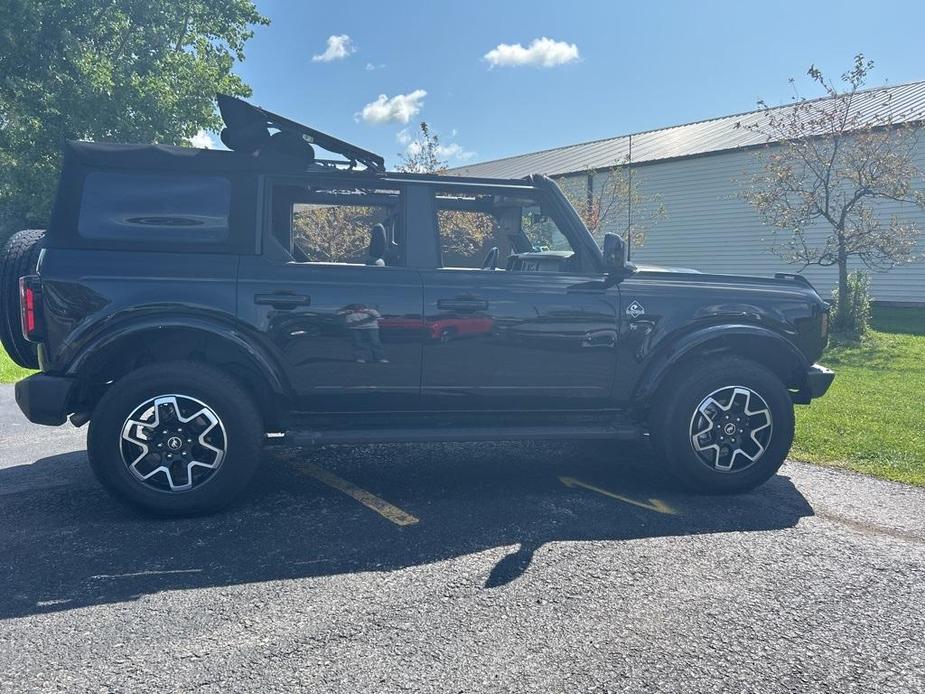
[842,306]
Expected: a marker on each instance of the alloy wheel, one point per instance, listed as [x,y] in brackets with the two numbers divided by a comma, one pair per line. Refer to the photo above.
[173,443]
[731,429]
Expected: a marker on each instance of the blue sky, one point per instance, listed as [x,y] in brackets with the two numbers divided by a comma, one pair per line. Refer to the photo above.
[608,68]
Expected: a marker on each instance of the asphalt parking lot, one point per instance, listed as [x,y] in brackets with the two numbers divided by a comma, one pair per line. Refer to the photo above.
[458,568]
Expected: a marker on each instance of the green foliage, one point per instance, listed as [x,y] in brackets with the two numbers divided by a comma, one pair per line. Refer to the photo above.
[424,153]
[334,233]
[118,70]
[870,421]
[851,317]
[9,371]
[830,166]
[616,204]
[463,235]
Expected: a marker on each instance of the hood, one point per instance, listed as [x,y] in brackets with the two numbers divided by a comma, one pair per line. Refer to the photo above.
[781,282]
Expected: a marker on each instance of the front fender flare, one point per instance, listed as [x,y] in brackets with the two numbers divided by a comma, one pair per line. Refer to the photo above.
[668,355]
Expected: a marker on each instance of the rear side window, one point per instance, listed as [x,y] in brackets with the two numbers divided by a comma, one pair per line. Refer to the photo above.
[155,208]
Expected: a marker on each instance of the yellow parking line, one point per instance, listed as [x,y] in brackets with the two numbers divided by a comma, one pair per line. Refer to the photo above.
[656,505]
[368,499]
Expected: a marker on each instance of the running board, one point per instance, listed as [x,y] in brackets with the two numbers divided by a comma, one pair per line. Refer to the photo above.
[419,435]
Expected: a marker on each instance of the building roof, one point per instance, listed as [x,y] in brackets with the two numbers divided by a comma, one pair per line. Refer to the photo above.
[905,103]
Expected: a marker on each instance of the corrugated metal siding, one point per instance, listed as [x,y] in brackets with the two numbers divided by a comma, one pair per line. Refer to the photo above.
[709,228]
[905,102]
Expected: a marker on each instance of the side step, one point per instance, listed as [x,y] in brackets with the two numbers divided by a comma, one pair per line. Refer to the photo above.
[420,435]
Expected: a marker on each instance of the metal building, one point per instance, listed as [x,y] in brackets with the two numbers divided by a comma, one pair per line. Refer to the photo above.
[697,172]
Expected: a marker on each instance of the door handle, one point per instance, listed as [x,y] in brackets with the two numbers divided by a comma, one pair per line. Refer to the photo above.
[607,338]
[462,305]
[283,301]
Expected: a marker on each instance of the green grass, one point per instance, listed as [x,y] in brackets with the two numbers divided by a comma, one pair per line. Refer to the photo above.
[872,420]
[9,371]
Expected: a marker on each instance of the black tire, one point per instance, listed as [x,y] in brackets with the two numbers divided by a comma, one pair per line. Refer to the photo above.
[19,257]
[723,465]
[240,427]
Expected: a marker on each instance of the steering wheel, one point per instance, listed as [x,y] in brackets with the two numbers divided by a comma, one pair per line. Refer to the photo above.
[491,260]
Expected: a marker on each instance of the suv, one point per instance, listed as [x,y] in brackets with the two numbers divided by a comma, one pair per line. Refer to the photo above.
[193,305]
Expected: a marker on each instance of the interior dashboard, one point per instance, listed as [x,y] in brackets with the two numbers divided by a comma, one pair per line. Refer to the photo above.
[544,261]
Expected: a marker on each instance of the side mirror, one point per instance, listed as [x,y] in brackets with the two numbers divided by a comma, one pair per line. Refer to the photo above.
[615,255]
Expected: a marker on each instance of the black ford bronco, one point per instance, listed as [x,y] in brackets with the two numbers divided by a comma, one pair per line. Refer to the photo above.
[194,305]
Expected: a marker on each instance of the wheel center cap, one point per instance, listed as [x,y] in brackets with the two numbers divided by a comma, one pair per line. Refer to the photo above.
[175,443]
[729,430]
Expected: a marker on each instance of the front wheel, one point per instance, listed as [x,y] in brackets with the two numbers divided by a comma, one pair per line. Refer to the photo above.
[725,426]
[175,438]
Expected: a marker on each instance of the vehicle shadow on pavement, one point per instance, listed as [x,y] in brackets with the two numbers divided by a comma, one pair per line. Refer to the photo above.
[69,545]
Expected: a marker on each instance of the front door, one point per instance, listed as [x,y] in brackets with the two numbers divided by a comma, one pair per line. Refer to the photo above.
[535,333]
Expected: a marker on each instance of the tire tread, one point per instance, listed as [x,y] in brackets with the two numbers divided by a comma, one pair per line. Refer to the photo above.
[247,428]
[664,420]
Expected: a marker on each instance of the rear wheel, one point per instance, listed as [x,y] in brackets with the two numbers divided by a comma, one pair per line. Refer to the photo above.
[724,426]
[176,438]
[19,257]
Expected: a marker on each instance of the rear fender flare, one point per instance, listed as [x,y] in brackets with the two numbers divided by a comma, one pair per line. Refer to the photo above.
[268,367]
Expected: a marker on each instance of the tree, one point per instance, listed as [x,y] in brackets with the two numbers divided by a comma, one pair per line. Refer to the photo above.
[463,234]
[423,154]
[334,233]
[611,202]
[829,162]
[119,70]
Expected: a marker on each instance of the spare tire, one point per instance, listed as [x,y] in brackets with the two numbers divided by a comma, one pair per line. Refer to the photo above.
[19,257]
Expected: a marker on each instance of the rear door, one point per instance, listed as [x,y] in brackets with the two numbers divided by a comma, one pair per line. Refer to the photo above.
[346,326]
[538,332]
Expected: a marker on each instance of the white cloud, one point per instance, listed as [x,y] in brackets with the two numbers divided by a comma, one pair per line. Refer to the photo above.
[401,108]
[413,146]
[454,151]
[203,140]
[542,52]
[339,47]
[372,66]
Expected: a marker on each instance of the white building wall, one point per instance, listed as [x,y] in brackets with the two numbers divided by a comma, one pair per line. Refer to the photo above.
[709,228]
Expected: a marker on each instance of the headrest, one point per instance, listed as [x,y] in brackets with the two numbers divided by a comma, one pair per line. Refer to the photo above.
[377,241]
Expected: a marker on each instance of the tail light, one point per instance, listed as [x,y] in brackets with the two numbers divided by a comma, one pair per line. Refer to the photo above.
[30,306]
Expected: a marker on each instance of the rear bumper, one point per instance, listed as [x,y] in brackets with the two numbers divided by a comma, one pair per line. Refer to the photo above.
[46,399]
[817,382]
